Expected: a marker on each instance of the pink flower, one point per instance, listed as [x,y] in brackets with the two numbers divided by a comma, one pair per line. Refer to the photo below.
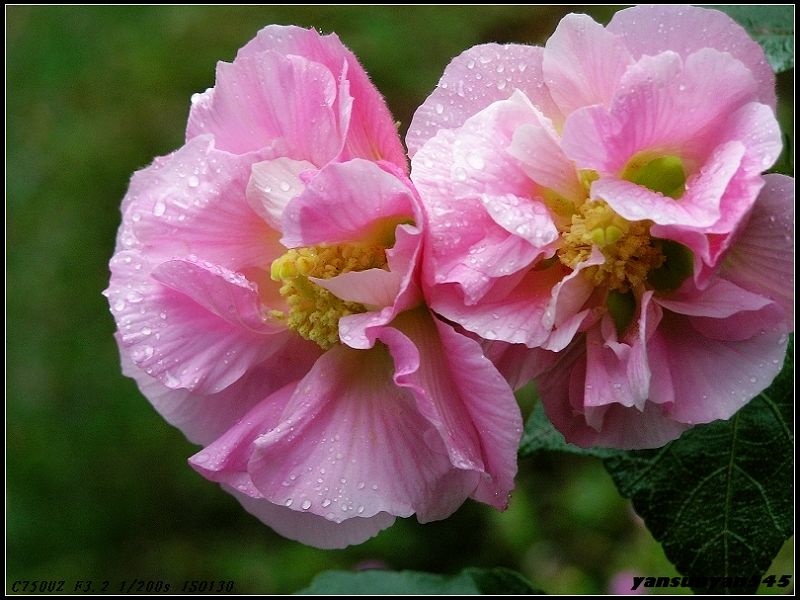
[265,288]
[601,201]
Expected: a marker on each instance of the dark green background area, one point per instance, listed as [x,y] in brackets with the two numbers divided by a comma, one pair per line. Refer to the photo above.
[97,483]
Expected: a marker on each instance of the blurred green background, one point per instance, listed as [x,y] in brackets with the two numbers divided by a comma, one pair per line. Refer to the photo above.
[97,483]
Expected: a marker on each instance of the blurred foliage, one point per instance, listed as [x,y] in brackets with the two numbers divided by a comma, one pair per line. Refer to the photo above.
[97,486]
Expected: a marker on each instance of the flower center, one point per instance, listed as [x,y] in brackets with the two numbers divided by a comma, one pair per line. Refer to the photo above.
[313,311]
[629,250]
[663,174]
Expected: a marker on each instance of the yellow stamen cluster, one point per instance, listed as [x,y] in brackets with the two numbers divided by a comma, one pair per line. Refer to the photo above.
[313,311]
[627,246]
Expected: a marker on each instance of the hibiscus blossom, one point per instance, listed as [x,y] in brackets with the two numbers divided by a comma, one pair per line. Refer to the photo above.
[601,202]
[266,291]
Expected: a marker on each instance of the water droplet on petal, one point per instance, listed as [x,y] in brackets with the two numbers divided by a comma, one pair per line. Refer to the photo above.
[193,181]
[159,208]
[306,504]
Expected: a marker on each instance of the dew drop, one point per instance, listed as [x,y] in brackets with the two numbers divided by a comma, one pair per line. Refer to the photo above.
[159,208]
[285,187]
[288,502]
[439,109]
[326,503]
[475,161]
[193,181]
[306,504]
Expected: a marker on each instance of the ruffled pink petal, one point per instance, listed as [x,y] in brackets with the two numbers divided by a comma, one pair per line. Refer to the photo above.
[472,81]
[524,217]
[516,317]
[700,205]
[562,391]
[201,347]
[567,313]
[190,202]
[346,202]
[269,100]
[371,132]
[721,299]
[361,330]
[204,418]
[460,173]
[272,184]
[311,529]
[351,444]
[618,371]
[704,90]
[467,400]
[583,63]
[227,294]
[761,258]
[713,379]
[227,460]
[650,30]
[756,126]
[538,148]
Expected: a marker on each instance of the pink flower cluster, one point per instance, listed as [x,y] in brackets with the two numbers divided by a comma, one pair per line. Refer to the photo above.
[342,338]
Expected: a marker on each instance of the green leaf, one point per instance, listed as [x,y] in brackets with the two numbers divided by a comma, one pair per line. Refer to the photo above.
[770,26]
[471,581]
[719,499]
[540,435]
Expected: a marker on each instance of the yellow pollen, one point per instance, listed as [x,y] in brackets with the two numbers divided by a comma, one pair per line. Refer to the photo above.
[313,311]
[630,253]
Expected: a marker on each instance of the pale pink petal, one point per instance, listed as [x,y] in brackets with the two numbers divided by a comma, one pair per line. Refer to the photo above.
[229,295]
[180,342]
[687,29]
[516,316]
[467,400]
[372,287]
[713,378]
[472,81]
[698,207]
[190,203]
[538,148]
[705,91]
[583,63]
[526,218]
[204,417]
[272,184]
[311,529]
[346,202]
[371,131]
[352,444]
[761,258]
[756,126]
[267,99]
[719,300]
